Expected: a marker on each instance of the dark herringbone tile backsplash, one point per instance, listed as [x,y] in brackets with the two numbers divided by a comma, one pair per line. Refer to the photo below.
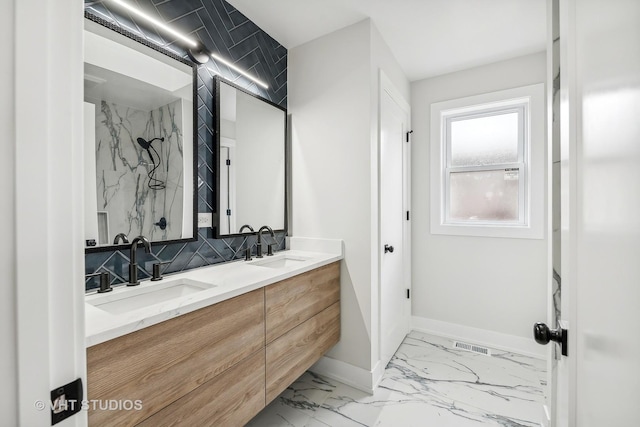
[225,30]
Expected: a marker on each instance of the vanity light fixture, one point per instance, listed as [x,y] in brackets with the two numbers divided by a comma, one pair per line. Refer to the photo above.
[195,48]
[239,70]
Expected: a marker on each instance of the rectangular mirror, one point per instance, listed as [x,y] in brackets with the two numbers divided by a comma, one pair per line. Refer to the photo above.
[251,154]
[140,141]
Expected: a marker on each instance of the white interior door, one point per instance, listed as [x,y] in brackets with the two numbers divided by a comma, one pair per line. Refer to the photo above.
[556,403]
[395,308]
[607,224]
[598,384]
[45,281]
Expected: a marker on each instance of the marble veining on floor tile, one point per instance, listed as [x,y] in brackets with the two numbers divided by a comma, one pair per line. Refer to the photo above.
[427,383]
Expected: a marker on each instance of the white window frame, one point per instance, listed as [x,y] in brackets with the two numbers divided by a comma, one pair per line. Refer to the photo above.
[521,108]
[528,101]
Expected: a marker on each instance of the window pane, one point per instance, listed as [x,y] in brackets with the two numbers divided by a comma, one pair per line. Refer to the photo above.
[484,140]
[484,195]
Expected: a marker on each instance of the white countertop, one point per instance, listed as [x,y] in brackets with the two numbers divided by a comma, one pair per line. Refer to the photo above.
[229,279]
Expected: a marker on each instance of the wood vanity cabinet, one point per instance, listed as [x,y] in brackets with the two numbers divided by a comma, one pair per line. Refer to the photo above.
[219,365]
[303,322]
[164,362]
[231,399]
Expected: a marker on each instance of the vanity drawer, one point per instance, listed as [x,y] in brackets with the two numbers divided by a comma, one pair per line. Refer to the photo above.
[160,364]
[294,300]
[230,399]
[290,355]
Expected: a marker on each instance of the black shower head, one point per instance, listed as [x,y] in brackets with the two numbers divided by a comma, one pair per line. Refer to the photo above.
[154,184]
[146,144]
[143,143]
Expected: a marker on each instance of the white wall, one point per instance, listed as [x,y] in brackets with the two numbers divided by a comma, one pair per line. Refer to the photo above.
[333,101]
[329,101]
[382,58]
[8,362]
[495,284]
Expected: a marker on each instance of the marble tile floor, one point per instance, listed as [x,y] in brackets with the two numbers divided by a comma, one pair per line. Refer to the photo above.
[427,383]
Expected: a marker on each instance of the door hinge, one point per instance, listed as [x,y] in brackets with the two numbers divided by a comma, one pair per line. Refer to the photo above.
[407,215]
[408,133]
[408,293]
[228,212]
[228,162]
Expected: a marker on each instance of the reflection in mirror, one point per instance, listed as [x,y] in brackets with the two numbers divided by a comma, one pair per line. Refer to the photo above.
[251,151]
[139,141]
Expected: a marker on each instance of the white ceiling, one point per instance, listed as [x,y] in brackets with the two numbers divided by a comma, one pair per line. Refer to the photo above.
[427,37]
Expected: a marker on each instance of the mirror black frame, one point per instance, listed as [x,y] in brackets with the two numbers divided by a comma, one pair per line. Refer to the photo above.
[194,68]
[216,159]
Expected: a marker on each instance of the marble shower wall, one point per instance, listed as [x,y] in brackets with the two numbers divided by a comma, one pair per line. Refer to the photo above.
[222,29]
[123,166]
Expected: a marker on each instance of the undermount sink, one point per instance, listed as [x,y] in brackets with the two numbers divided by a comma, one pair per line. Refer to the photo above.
[280,261]
[147,294]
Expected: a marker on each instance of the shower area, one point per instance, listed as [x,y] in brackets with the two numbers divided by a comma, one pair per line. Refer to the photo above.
[138,121]
[139,170]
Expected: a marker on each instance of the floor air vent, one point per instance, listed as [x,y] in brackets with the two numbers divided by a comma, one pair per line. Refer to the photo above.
[472,348]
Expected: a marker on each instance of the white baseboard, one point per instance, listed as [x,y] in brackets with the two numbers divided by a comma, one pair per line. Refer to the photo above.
[348,374]
[378,373]
[492,339]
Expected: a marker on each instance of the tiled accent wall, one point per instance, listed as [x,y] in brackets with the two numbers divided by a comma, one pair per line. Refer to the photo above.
[225,30]
[221,28]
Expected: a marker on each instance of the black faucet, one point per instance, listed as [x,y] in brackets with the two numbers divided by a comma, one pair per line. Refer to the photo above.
[122,237]
[259,244]
[247,251]
[246,226]
[105,281]
[133,265]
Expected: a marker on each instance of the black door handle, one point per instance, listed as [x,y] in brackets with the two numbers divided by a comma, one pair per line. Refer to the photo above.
[388,248]
[543,335]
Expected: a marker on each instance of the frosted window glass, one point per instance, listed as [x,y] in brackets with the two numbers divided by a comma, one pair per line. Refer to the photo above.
[484,195]
[484,140]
